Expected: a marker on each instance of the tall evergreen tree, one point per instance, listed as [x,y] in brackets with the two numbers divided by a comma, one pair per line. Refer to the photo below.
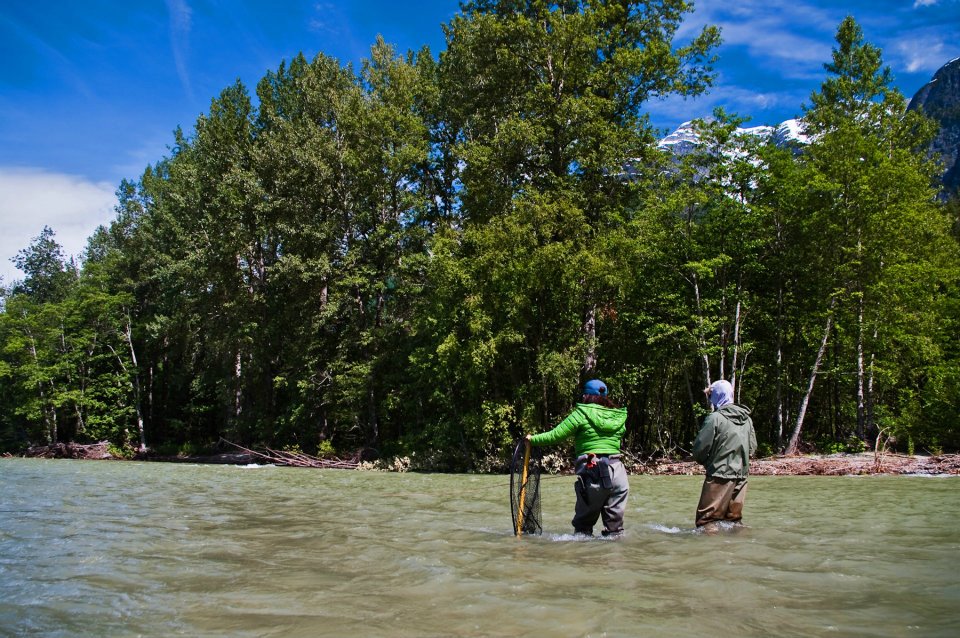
[876,240]
[546,101]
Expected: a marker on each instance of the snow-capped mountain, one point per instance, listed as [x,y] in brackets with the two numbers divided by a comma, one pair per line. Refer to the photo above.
[685,138]
[939,99]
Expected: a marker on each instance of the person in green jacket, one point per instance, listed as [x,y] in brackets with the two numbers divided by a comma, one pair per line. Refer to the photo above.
[597,427]
[724,445]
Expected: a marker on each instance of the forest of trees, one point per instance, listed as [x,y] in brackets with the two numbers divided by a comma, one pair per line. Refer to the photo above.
[431,254]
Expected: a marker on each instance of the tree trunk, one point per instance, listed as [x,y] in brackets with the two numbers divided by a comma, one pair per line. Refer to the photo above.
[795,436]
[372,419]
[150,395]
[781,420]
[736,352]
[870,403]
[780,416]
[238,386]
[590,340]
[700,335]
[49,416]
[861,399]
[137,402]
[693,395]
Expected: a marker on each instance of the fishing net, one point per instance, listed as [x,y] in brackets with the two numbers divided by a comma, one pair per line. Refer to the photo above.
[525,489]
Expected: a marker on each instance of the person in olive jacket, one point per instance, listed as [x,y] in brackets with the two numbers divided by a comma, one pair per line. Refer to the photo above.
[597,427]
[724,445]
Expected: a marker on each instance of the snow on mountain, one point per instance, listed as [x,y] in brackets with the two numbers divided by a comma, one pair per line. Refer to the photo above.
[681,141]
[939,99]
[790,131]
[685,138]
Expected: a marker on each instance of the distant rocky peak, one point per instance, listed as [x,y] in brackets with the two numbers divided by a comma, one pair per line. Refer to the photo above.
[944,85]
[939,99]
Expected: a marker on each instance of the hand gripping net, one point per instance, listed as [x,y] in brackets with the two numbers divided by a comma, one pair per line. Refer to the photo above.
[525,489]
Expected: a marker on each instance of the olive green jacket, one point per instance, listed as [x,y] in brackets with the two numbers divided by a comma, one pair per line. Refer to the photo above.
[726,442]
[596,429]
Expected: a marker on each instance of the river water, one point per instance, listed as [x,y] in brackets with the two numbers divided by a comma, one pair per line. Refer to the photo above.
[151,549]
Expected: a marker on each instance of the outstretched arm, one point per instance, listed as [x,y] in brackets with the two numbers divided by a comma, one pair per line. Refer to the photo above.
[563,430]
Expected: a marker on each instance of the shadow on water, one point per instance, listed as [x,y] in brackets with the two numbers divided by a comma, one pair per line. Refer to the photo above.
[153,549]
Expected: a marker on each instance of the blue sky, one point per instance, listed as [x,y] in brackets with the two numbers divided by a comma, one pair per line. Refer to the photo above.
[90,92]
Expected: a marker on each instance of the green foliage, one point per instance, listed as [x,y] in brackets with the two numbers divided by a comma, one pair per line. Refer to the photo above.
[764,450]
[881,255]
[183,450]
[851,445]
[325,449]
[428,256]
[293,449]
[118,452]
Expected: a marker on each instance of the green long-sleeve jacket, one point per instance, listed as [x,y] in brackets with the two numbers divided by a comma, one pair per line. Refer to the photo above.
[726,442]
[596,429]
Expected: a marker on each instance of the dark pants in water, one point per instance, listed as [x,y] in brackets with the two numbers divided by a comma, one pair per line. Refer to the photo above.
[601,493]
[721,500]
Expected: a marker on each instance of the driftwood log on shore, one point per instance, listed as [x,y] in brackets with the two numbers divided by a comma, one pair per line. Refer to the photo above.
[99,450]
[297,459]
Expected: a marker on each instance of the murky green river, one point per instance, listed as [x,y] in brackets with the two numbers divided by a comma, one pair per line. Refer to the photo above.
[139,549]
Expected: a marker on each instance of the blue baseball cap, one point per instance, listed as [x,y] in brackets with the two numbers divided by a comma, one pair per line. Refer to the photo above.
[595,386]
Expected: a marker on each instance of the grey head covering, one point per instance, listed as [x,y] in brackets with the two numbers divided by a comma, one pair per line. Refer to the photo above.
[721,393]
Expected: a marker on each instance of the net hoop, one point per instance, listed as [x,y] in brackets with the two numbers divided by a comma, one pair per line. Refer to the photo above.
[525,489]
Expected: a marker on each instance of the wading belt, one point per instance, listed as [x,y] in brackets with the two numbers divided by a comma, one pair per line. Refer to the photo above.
[597,467]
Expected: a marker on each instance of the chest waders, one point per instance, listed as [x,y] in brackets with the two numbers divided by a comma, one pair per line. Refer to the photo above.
[601,490]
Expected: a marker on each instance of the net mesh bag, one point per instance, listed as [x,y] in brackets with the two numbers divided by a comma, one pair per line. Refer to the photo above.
[525,489]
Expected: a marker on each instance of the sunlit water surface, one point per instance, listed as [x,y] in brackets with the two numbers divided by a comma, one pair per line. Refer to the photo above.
[128,549]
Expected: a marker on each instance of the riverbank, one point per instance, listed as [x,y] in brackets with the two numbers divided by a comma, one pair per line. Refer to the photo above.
[824,465]
[801,465]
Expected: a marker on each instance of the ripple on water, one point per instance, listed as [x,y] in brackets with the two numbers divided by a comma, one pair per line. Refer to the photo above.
[155,549]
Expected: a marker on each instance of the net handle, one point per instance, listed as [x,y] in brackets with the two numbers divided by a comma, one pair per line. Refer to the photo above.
[523,487]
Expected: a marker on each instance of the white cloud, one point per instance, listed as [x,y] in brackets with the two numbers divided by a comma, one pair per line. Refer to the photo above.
[33,198]
[769,40]
[180,23]
[924,3]
[795,31]
[921,55]
[326,18]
